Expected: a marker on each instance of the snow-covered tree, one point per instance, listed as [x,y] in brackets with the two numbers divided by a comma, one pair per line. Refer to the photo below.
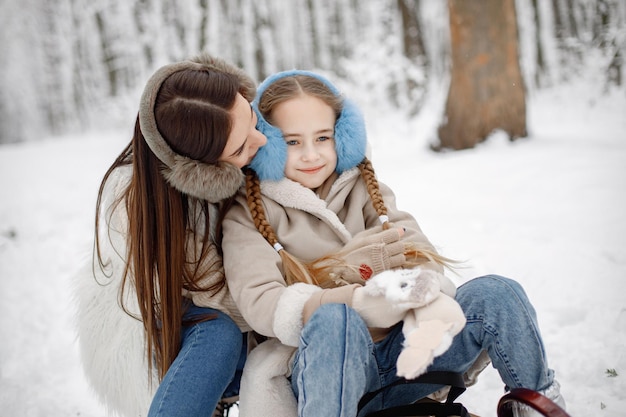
[69,64]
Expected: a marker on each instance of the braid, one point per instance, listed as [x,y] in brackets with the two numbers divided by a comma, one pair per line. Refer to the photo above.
[369,176]
[295,270]
[414,255]
[255,205]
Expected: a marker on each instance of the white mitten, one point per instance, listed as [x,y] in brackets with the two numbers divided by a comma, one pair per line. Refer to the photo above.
[375,310]
[405,288]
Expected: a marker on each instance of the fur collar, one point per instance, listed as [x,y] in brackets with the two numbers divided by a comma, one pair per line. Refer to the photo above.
[291,194]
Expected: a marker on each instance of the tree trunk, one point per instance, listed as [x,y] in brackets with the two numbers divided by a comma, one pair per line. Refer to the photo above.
[486,87]
[541,71]
[412,29]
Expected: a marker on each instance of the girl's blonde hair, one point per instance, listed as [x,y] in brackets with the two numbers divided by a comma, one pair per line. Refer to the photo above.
[290,87]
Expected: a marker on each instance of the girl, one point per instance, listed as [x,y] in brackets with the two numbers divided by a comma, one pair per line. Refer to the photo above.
[312,201]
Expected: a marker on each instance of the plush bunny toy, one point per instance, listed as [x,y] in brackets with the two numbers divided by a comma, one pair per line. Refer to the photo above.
[428,328]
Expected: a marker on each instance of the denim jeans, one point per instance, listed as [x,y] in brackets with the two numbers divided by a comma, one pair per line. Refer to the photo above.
[207,367]
[337,362]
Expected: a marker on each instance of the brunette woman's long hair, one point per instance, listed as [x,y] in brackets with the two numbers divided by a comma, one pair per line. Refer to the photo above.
[163,223]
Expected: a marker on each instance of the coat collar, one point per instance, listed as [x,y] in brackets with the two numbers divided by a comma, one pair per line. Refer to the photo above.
[291,194]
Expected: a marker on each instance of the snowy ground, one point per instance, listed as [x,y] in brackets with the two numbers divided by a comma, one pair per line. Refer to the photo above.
[548,211]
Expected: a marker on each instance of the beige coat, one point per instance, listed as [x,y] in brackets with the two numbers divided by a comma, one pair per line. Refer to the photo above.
[308,227]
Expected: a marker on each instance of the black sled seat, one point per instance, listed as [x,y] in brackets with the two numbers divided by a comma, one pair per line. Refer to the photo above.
[420,408]
[424,407]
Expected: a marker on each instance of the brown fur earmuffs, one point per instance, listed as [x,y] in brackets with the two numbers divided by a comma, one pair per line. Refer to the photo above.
[211,182]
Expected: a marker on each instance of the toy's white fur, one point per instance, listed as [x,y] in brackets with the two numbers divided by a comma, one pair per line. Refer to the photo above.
[405,287]
[431,323]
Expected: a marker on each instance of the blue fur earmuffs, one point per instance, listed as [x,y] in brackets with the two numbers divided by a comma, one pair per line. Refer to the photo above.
[350,135]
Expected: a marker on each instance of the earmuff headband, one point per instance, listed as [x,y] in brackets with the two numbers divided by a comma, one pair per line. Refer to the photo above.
[350,133]
[211,182]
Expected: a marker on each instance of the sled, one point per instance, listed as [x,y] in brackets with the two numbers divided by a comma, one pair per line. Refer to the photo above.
[533,399]
[427,407]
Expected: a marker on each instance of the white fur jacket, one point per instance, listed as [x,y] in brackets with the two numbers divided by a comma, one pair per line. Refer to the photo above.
[309,227]
[112,343]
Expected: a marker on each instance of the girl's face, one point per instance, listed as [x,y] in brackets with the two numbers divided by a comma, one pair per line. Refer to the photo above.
[244,140]
[308,125]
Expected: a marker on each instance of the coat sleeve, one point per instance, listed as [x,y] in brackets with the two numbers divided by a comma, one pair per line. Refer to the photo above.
[255,279]
[211,269]
[222,299]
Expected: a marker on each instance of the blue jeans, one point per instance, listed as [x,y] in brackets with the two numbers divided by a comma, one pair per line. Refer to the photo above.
[337,362]
[204,370]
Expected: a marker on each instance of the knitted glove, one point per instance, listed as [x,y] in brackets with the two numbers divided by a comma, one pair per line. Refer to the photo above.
[370,253]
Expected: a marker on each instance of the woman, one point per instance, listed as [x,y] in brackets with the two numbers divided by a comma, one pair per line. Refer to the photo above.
[155,252]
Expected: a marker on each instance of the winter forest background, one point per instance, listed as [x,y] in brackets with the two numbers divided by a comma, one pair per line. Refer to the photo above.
[68,65]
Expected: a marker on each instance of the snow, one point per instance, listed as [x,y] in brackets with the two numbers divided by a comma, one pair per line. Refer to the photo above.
[547,211]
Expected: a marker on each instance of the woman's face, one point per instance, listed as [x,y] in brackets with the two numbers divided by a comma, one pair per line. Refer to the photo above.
[244,140]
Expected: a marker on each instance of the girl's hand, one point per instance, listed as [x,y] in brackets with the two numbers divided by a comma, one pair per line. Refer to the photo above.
[371,252]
